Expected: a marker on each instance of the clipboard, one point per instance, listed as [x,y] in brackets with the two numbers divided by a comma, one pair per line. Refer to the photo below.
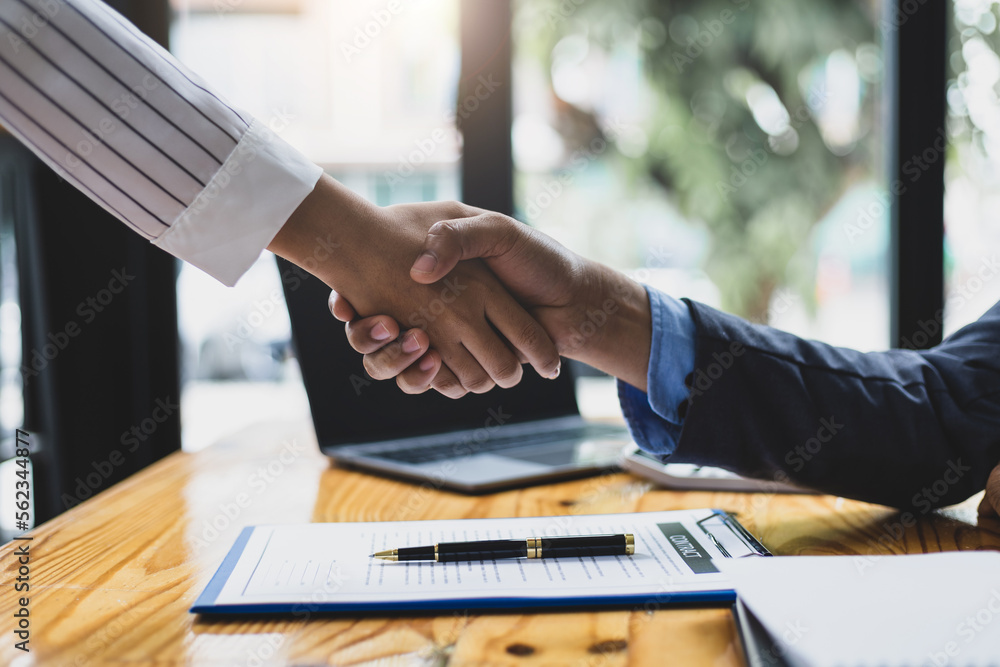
[325,567]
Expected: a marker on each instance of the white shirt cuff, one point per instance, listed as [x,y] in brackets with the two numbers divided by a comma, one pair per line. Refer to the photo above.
[242,208]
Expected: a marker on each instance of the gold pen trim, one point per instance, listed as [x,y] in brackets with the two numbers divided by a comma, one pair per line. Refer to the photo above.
[629,544]
[391,554]
[534,547]
[436,559]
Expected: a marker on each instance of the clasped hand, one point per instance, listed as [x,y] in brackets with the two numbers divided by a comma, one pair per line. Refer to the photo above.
[475,325]
[586,309]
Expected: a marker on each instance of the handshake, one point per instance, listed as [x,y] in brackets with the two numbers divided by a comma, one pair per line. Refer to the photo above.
[475,334]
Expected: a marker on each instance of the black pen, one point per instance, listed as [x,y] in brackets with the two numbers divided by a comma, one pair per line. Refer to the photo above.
[531,547]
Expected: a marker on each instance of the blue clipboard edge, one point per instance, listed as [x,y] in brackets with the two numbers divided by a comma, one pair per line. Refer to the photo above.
[721,597]
[207,598]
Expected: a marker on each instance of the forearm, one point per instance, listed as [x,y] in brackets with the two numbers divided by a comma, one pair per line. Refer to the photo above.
[329,233]
[612,329]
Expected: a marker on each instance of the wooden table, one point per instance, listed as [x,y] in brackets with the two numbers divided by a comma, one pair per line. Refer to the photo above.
[112,579]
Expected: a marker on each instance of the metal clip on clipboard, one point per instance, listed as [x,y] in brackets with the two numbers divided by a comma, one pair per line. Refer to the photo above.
[730,537]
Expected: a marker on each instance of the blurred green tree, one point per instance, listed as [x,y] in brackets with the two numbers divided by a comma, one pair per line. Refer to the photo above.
[737,88]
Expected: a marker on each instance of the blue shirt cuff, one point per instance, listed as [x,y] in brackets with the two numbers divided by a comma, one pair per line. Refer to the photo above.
[654,416]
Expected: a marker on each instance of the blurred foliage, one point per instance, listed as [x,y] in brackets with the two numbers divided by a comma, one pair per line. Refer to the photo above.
[701,57]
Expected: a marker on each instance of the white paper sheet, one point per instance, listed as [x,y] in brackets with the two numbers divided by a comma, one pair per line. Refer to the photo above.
[330,563]
[927,609]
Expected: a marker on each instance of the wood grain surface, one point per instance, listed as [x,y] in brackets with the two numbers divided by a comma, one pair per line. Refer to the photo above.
[112,579]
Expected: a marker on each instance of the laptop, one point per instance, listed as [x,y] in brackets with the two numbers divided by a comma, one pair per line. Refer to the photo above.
[529,434]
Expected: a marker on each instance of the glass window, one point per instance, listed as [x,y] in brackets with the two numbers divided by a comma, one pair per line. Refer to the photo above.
[972,180]
[723,150]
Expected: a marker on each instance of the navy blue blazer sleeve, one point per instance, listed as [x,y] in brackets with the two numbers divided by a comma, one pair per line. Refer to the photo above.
[909,429]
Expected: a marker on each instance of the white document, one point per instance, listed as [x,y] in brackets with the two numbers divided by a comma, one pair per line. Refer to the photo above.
[928,609]
[329,564]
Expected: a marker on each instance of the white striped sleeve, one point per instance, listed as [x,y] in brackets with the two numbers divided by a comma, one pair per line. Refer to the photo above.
[118,117]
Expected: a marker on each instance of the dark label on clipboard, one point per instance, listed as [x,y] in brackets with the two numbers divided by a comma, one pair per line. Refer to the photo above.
[690,551]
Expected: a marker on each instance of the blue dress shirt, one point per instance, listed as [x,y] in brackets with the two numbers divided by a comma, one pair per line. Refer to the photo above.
[655,417]
[906,428]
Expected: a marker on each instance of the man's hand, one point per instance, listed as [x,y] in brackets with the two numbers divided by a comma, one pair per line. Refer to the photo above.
[364,252]
[592,313]
[990,507]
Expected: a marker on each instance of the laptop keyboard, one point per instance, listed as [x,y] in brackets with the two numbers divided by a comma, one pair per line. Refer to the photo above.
[452,450]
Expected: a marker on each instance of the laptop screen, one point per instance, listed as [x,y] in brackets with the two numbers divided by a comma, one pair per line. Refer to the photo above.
[349,407]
